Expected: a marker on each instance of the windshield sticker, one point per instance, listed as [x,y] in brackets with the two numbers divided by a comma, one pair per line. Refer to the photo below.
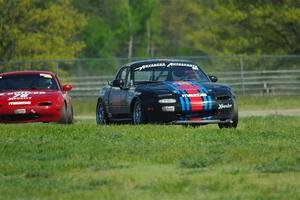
[194,67]
[19,103]
[46,75]
[150,66]
[194,95]
[183,65]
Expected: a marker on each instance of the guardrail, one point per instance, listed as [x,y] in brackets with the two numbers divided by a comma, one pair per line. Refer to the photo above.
[268,82]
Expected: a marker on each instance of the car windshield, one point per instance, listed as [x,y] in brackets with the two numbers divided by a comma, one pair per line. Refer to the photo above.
[171,72]
[27,81]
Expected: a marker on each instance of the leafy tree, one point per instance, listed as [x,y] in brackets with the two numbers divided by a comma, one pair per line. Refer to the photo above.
[39,29]
[247,27]
[120,28]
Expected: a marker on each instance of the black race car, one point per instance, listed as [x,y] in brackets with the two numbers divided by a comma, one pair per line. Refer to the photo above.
[166,91]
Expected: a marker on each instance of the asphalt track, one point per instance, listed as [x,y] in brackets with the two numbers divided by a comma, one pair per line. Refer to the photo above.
[248,113]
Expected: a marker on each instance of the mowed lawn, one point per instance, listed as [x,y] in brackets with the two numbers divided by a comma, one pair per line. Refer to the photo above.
[259,160]
[88,106]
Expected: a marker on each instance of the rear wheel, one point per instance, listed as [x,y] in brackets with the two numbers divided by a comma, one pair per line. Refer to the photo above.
[100,114]
[234,118]
[138,116]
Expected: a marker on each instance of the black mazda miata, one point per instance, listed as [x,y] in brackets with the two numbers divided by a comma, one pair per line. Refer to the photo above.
[166,91]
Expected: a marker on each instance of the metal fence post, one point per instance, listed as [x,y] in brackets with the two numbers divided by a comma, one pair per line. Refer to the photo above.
[242,74]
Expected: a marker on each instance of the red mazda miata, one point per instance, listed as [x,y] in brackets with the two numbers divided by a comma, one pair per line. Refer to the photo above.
[34,96]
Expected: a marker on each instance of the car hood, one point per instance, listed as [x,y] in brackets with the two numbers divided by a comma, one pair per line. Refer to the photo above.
[29,97]
[181,87]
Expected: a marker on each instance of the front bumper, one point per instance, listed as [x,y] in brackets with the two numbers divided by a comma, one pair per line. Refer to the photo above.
[216,114]
[30,114]
[203,122]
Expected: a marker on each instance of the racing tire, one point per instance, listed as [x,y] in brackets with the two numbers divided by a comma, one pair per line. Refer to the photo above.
[101,117]
[138,116]
[70,116]
[65,118]
[234,118]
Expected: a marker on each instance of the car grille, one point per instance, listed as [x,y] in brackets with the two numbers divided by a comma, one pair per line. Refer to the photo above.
[199,114]
[20,117]
[45,103]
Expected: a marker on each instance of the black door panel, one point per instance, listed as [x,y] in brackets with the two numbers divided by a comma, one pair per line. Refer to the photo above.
[119,105]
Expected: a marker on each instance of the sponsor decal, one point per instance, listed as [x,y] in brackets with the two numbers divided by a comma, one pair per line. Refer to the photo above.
[222,106]
[19,103]
[37,92]
[172,64]
[150,66]
[19,96]
[194,95]
[46,75]
[195,67]
[22,95]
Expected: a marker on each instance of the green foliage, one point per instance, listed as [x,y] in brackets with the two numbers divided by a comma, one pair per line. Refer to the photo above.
[231,27]
[38,29]
[96,36]
[113,23]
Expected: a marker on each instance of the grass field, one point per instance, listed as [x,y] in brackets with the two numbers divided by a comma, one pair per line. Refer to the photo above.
[88,106]
[259,160]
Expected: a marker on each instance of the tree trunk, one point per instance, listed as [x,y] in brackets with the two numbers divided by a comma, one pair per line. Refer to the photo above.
[130,42]
[148,50]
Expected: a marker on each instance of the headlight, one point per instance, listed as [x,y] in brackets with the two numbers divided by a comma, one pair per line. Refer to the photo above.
[167,101]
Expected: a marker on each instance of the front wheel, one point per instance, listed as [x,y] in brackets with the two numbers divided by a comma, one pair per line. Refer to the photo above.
[100,114]
[66,116]
[70,115]
[138,116]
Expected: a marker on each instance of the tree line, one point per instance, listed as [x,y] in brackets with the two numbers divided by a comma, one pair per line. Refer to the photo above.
[56,29]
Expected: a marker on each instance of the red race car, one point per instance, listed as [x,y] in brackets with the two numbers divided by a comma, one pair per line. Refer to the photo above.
[34,96]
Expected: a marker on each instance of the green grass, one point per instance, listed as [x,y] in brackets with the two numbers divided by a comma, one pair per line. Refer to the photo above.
[88,106]
[268,102]
[85,106]
[259,160]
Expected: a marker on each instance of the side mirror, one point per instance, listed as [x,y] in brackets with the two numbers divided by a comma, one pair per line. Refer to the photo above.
[118,83]
[213,78]
[67,88]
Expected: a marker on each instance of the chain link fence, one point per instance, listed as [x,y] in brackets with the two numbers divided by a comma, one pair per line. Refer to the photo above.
[247,75]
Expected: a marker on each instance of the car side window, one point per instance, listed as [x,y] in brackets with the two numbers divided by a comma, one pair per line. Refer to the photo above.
[128,78]
[124,74]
